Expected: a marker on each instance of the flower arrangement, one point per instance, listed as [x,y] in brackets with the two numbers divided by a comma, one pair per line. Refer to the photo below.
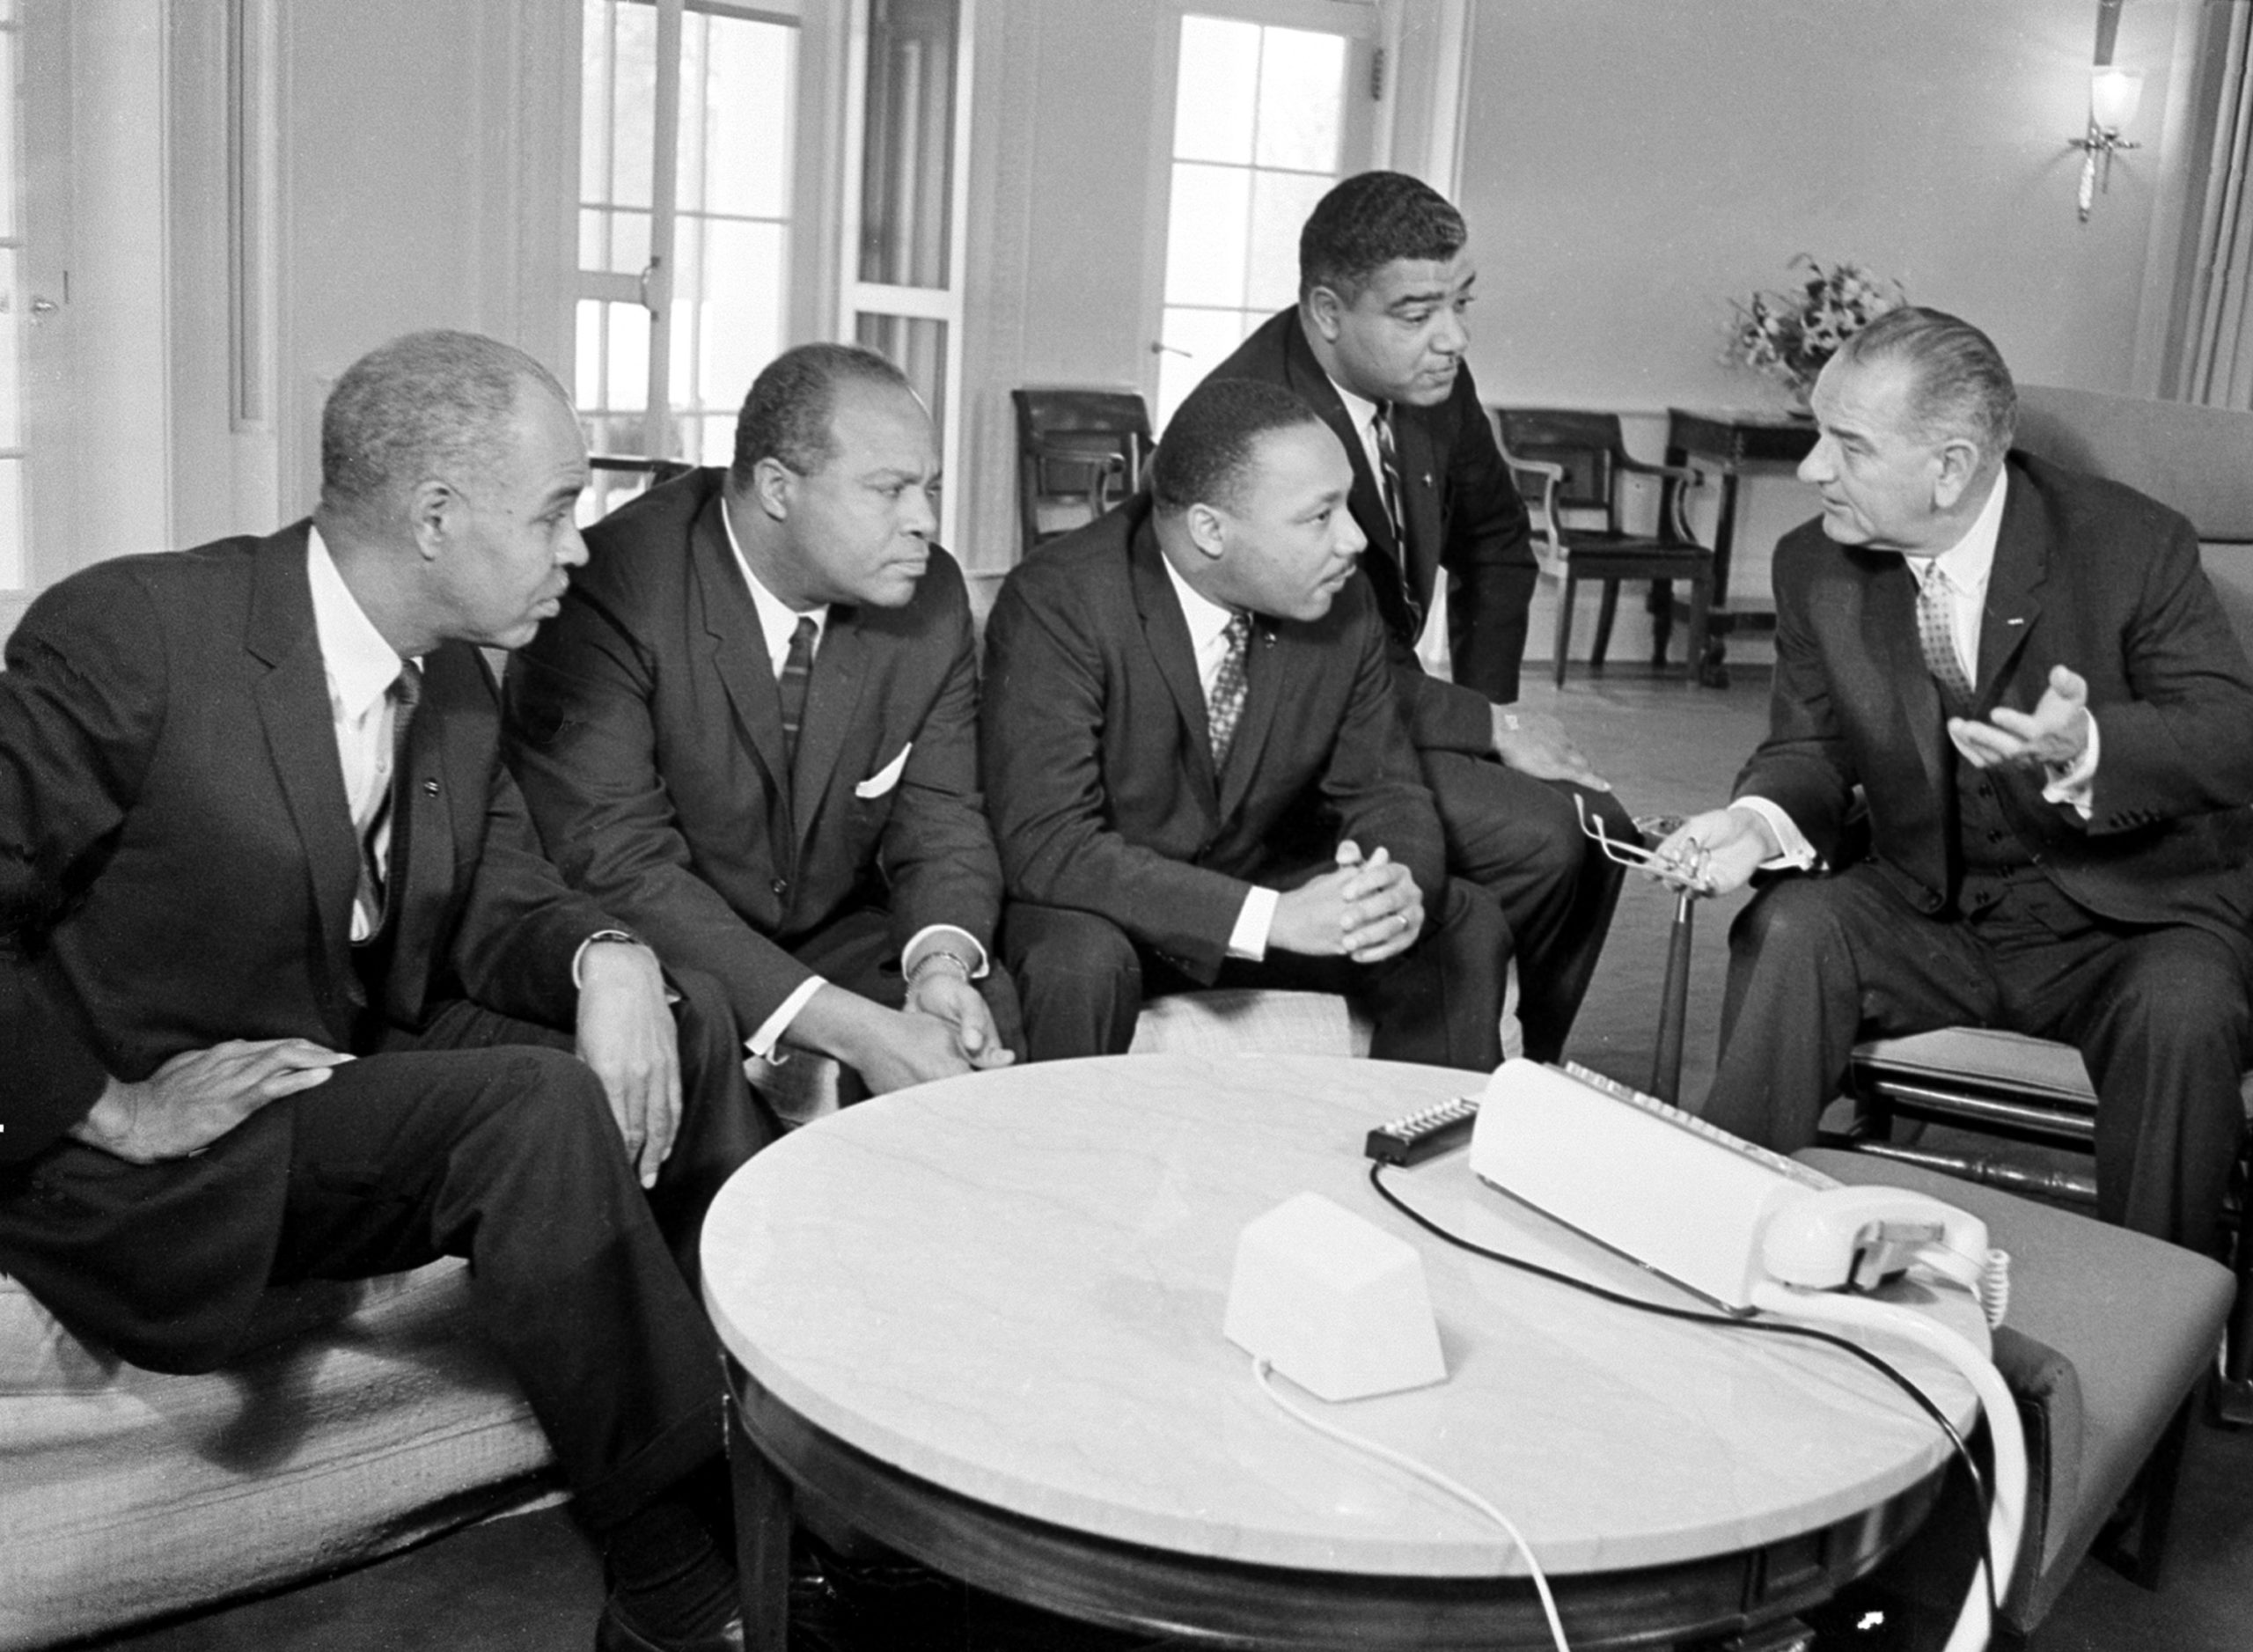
[1790,335]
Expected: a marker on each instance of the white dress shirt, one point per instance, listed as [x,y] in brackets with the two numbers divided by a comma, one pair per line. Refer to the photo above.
[1431,643]
[778,621]
[360,667]
[1209,629]
[1965,567]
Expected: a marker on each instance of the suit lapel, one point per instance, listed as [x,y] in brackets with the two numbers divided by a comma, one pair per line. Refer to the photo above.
[2014,605]
[739,657]
[1167,632]
[1383,563]
[832,697]
[293,709]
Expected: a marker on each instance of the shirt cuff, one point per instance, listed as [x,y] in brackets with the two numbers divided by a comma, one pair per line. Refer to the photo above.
[1795,853]
[761,1043]
[2076,787]
[935,932]
[1253,920]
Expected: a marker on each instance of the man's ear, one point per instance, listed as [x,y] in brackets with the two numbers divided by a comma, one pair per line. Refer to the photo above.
[773,485]
[1959,463]
[1208,531]
[434,511]
[1324,312]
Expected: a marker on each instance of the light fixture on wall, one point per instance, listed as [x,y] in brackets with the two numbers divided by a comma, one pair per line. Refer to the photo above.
[2113,94]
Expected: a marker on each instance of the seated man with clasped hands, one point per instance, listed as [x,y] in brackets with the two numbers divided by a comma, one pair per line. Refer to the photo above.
[1194,766]
[750,731]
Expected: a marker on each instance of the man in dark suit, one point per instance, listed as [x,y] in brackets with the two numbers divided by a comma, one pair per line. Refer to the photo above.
[1194,762]
[2026,673]
[281,964]
[1375,347]
[751,732]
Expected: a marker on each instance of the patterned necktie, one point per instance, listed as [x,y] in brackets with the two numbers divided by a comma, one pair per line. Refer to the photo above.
[1224,705]
[405,693]
[1389,484]
[1936,633]
[797,665]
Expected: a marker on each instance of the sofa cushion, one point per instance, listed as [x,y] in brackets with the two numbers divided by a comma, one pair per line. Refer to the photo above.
[363,1418]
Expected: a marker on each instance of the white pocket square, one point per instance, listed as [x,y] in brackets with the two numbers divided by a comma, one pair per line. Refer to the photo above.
[886,778]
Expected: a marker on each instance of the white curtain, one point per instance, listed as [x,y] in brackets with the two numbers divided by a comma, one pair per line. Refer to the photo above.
[2215,364]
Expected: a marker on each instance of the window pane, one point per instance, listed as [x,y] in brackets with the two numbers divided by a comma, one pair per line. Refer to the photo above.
[586,356]
[917,346]
[907,166]
[1213,106]
[1205,234]
[744,132]
[8,225]
[1208,337]
[629,253]
[1279,204]
[594,99]
[12,345]
[1302,86]
[626,356]
[12,524]
[634,106]
[738,319]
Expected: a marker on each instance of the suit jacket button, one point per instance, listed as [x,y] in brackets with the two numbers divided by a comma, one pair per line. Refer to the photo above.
[781,886]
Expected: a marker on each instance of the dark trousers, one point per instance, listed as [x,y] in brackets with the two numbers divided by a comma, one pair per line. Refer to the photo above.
[2159,1014]
[478,1137]
[1084,980]
[1520,839]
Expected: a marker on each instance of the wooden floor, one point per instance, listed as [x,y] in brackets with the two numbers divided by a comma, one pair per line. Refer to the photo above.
[532,1582]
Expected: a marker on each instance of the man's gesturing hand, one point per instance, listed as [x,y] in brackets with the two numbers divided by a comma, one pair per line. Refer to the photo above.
[627,1035]
[199,1095]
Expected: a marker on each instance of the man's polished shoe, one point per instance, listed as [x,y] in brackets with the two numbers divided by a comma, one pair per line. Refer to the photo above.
[615,1632]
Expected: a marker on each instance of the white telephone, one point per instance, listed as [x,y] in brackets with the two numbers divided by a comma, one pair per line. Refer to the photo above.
[1753,1232]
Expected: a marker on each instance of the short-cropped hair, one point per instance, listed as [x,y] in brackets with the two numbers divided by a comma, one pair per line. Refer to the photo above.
[437,404]
[787,415]
[1209,442]
[1366,223]
[1959,385]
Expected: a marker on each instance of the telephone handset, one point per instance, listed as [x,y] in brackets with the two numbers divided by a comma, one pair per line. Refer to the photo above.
[1854,1237]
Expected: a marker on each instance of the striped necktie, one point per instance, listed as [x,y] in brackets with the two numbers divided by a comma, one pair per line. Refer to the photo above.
[404,694]
[1224,705]
[797,666]
[1389,463]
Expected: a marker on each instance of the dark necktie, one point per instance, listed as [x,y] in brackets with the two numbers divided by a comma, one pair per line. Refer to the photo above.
[797,666]
[1224,706]
[404,694]
[1936,633]
[1389,484]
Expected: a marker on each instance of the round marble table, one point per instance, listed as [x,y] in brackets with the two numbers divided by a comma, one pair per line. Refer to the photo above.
[980,1321]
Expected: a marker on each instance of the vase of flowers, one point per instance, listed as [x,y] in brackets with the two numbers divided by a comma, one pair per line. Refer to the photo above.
[1789,335]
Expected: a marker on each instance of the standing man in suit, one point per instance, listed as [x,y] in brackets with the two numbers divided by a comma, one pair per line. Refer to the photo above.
[751,732]
[1194,764]
[280,962]
[1375,347]
[2026,674]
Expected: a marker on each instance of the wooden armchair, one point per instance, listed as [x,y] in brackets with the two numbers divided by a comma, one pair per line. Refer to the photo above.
[1578,460]
[1079,452]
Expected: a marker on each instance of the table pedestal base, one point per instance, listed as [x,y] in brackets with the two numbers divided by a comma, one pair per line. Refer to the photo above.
[784,1467]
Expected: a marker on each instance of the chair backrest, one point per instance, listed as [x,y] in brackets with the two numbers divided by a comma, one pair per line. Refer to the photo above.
[1587,445]
[2199,461]
[1079,451]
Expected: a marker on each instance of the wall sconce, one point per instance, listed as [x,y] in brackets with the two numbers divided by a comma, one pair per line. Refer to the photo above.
[2113,94]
